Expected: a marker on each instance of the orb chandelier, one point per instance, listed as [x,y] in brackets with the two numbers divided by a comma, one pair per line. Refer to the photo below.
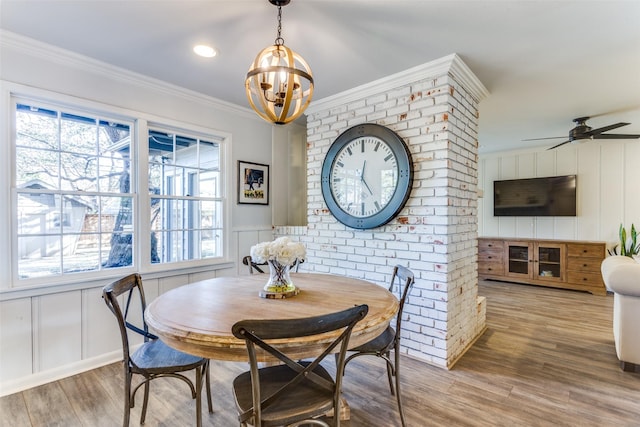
[279,83]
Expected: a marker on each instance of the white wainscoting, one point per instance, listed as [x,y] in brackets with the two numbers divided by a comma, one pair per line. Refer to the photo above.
[608,189]
[51,336]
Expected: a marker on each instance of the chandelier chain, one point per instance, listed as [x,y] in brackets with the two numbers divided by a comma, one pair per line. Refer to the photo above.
[279,40]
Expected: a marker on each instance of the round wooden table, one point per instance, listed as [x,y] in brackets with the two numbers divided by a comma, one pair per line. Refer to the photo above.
[197,318]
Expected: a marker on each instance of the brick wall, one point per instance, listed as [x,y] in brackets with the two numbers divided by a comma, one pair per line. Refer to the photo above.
[434,108]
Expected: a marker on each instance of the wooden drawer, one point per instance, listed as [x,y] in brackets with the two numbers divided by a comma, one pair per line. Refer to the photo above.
[584,264]
[490,245]
[585,250]
[490,256]
[584,278]
[490,268]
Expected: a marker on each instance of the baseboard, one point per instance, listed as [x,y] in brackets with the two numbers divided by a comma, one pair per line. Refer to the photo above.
[40,378]
[476,338]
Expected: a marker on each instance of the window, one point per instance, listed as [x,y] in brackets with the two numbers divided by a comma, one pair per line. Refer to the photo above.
[184,188]
[74,205]
[77,194]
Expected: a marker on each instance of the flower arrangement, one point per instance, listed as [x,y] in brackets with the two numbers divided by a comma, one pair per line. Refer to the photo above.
[280,254]
[282,250]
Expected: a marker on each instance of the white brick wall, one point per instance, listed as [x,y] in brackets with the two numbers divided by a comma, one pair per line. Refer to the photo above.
[435,234]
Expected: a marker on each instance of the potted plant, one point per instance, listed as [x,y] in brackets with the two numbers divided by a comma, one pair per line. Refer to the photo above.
[629,245]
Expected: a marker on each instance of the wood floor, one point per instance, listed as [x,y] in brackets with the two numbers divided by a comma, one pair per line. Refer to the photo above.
[547,359]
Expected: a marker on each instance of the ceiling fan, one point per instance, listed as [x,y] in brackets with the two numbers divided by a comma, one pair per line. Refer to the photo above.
[583,131]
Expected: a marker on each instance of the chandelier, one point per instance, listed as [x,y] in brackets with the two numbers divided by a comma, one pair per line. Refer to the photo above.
[279,83]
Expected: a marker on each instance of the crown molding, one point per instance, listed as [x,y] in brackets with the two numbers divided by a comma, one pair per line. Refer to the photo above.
[58,55]
[450,64]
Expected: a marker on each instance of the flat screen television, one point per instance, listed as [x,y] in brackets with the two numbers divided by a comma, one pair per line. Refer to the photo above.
[550,196]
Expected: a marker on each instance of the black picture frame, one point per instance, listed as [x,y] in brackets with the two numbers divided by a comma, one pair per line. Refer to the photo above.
[253,183]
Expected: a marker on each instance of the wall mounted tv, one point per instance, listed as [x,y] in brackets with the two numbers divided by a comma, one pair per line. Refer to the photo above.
[550,196]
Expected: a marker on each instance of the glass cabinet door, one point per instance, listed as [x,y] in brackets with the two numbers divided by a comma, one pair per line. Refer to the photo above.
[548,261]
[518,256]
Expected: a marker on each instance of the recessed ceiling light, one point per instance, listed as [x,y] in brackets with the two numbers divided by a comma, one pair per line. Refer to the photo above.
[204,50]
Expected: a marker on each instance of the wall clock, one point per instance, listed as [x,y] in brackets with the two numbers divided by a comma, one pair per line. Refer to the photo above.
[367,176]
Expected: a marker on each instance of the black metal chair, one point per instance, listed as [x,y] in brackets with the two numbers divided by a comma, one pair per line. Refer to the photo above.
[254,266]
[261,267]
[296,392]
[153,359]
[382,345]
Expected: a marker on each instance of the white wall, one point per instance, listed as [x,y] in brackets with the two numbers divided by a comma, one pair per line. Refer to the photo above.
[49,333]
[289,172]
[608,190]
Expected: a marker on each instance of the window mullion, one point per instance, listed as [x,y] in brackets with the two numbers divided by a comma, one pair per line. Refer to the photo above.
[143,199]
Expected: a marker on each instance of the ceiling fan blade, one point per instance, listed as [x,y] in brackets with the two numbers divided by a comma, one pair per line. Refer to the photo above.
[562,143]
[606,128]
[540,139]
[615,136]
[624,109]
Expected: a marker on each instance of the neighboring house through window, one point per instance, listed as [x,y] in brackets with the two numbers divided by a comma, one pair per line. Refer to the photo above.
[184,184]
[77,206]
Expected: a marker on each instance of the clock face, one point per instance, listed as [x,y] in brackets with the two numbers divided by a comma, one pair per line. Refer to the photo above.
[367,176]
[364,176]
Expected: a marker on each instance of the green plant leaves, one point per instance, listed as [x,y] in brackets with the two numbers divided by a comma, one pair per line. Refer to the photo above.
[628,246]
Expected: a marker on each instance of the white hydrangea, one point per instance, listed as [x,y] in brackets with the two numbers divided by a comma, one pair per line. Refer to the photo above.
[283,250]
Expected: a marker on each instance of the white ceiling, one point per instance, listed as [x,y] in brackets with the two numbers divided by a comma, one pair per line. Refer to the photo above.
[543,62]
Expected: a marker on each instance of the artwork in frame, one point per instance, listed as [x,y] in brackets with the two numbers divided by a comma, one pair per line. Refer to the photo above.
[253,183]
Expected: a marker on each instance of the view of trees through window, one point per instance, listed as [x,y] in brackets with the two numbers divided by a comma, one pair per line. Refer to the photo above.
[74,206]
[76,191]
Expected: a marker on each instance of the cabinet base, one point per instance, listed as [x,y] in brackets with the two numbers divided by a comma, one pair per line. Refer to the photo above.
[564,264]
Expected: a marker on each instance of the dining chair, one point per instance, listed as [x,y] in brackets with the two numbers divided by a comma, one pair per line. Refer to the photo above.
[382,345]
[262,267]
[254,266]
[298,391]
[153,359]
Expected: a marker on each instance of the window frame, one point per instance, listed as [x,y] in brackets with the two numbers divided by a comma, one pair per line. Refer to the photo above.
[13,94]
[156,126]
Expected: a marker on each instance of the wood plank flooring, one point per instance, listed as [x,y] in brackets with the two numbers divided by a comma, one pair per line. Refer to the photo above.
[547,359]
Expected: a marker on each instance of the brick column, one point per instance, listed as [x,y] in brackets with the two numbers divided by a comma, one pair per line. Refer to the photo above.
[434,108]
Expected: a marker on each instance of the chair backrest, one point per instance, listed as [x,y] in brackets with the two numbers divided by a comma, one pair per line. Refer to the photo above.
[131,287]
[263,267]
[256,332]
[254,266]
[404,279]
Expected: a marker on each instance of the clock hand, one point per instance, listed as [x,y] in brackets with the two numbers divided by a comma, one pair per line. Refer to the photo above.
[366,185]
[362,178]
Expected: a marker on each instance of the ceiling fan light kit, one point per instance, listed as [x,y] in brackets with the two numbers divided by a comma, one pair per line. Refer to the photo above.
[583,132]
[279,83]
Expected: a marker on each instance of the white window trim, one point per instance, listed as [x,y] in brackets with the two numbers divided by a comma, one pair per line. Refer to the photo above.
[10,287]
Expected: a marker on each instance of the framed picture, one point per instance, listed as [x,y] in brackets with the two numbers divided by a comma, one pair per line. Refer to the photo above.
[253,183]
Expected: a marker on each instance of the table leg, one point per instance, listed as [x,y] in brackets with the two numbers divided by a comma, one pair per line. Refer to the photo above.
[345,410]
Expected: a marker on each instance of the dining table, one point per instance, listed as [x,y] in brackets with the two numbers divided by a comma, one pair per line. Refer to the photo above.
[197,318]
